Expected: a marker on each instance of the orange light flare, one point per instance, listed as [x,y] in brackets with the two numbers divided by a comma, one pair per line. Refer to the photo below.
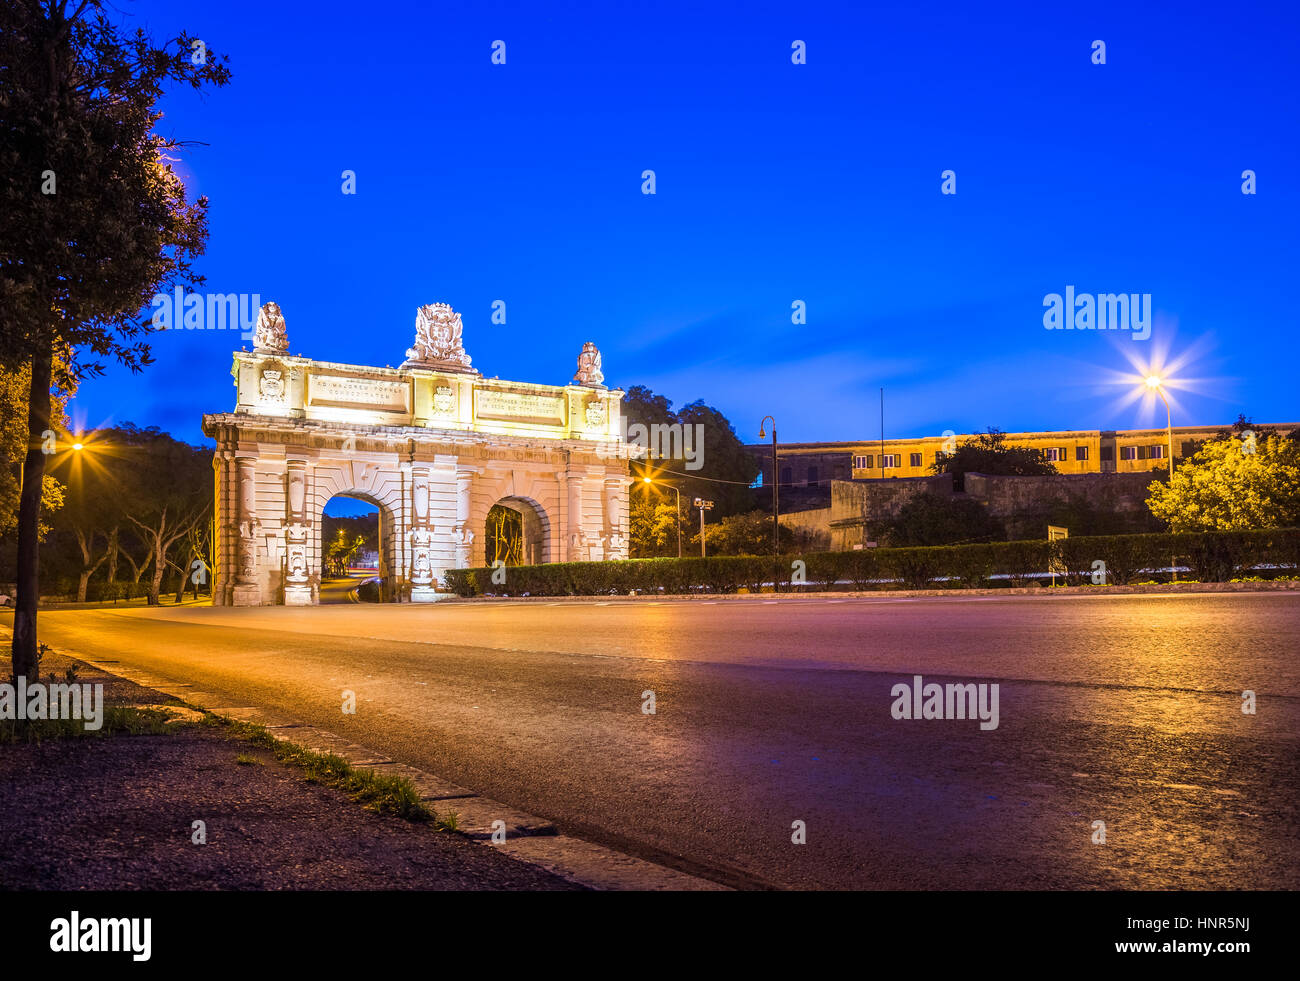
[78,448]
[650,476]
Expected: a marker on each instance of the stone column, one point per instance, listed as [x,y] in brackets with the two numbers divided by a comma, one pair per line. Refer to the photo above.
[421,538]
[462,533]
[615,513]
[247,591]
[575,538]
[297,575]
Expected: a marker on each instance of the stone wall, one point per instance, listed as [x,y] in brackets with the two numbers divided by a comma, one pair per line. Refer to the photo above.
[811,528]
[854,503]
[1024,503]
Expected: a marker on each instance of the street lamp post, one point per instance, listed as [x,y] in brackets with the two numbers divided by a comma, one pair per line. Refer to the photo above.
[776,496]
[1156,384]
[648,480]
[703,505]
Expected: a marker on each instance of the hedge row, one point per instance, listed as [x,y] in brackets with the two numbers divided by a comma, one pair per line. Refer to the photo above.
[1118,559]
[97,590]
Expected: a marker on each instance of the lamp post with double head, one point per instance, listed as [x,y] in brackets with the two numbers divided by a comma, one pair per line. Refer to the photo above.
[703,505]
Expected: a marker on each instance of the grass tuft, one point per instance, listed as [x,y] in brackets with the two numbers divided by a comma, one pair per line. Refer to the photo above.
[384,793]
[118,719]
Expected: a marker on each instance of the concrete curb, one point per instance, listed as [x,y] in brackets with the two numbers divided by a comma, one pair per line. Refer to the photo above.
[529,839]
[1044,592]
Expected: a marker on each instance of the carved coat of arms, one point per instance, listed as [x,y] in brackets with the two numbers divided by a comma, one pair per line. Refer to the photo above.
[438,340]
[595,413]
[444,400]
[271,385]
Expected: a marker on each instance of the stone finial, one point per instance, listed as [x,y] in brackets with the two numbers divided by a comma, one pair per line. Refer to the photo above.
[270,336]
[589,372]
[438,339]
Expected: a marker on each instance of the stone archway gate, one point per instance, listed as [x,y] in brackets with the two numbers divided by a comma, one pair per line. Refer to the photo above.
[432,443]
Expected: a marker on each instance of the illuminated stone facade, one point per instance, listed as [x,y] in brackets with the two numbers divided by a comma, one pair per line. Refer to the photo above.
[433,444]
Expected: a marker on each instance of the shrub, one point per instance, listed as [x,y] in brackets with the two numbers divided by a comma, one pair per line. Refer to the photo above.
[1213,557]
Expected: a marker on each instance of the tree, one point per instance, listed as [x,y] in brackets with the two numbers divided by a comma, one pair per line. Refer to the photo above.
[744,534]
[1232,485]
[167,494]
[718,467]
[505,535]
[15,386]
[96,221]
[989,453]
[342,549]
[653,523]
[934,519]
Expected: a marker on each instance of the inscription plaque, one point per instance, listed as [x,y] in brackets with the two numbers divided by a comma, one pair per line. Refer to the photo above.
[525,407]
[373,394]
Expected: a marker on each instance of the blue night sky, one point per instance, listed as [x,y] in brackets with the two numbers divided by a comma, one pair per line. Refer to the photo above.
[775,182]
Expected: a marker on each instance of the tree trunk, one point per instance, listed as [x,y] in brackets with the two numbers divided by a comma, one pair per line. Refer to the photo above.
[180,585]
[29,517]
[155,586]
[112,555]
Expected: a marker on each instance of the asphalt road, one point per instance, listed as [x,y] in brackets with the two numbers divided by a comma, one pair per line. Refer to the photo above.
[340,590]
[1121,709]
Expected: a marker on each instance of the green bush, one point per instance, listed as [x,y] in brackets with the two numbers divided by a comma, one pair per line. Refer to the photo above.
[1212,556]
[1125,556]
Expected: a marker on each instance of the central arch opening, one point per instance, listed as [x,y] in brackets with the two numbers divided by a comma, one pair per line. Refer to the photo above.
[351,551]
[516,532]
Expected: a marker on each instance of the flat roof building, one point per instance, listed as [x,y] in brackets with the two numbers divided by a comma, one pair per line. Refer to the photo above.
[815,465]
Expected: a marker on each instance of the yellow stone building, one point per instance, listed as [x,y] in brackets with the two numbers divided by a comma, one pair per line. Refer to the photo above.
[815,465]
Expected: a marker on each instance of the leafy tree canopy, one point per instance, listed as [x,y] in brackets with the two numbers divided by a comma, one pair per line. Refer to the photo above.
[717,467]
[1232,485]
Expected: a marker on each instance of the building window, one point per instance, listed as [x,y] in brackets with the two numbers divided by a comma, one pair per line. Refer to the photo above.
[1128,452]
[787,476]
[916,459]
[1053,454]
[888,461]
[1081,452]
[812,477]
[1108,454]
[1156,452]
[862,462]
